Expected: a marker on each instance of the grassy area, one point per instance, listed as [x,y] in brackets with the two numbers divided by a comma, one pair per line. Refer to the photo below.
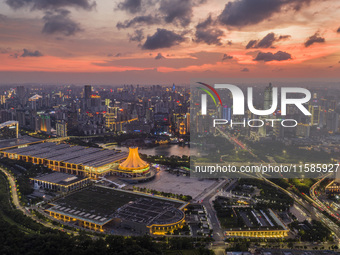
[100,200]
[302,185]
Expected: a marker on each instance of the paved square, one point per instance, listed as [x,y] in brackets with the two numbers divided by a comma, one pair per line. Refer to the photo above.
[184,185]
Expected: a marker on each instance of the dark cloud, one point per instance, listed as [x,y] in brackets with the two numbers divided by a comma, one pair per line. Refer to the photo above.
[162,39]
[28,53]
[179,11]
[131,6]
[51,4]
[316,38]
[242,13]
[245,69]
[208,34]
[137,36]
[59,22]
[226,57]
[266,42]
[284,37]
[338,31]
[251,44]
[145,20]
[206,23]
[268,56]
[159,56]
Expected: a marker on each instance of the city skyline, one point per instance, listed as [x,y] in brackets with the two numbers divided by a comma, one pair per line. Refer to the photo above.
[145,42]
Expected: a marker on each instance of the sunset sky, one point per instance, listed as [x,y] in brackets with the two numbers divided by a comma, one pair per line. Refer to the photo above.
[166,41]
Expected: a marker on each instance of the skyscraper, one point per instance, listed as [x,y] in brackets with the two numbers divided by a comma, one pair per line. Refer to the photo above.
[87,91]
[268,97]
[87,96]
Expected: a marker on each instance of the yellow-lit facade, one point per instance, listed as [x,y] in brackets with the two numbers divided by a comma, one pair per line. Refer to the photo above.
[159,229]
[64,167]
[257,233]
[133,166]
[81,222]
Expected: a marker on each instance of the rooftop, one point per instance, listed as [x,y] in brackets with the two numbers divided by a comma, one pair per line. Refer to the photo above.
[59,178]
[8,143]
[92,157]
[107,203]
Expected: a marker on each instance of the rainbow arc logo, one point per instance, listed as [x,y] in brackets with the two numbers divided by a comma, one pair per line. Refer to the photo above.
[209,93]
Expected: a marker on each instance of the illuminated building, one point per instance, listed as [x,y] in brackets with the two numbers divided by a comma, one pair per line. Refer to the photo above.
[145,214]
[267,229]
[2,99]
[61,127]
[133,166]
[9,129]
[333,188]
[257,233]
[315,111]
[65,158]
[45,123]
[59,182]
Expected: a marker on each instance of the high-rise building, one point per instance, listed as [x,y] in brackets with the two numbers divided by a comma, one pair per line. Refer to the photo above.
[267,103]
[61,127]
[226,113]
[107,101]
[20,117]
[87,91]
[21,94]
[268,97]
[315,117]
[303,130]
[332,123]
[187,116]
[45,123]
[2,99]
[87,96]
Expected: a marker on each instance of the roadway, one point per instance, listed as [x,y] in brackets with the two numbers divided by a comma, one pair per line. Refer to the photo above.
[207,202]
